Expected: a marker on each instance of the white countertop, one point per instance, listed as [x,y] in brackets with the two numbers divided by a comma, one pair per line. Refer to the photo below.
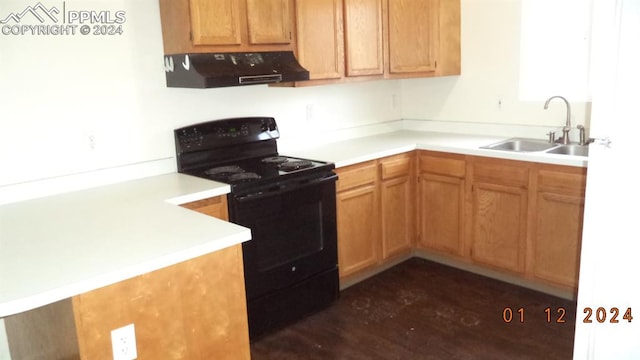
[60,246]
[348,152]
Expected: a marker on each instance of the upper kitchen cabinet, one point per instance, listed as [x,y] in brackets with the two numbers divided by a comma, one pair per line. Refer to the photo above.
[363,34]
[424,38]
[353,40]
[199,26]
[338,39]
[269,22]
[320,38]
[215,22]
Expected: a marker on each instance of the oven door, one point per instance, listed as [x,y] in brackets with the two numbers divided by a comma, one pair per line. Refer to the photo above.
[293,228]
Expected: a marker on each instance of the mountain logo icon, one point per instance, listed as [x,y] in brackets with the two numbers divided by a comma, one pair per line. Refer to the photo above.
[39,11]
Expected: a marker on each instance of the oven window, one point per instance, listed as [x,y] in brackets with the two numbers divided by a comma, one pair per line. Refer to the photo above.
[292,234]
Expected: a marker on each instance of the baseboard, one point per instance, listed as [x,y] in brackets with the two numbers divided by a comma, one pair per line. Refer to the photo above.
[444,260]
[365,274]
[511,279]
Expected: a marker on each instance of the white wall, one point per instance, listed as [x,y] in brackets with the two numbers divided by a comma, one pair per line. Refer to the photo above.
[490,74]
[57,92]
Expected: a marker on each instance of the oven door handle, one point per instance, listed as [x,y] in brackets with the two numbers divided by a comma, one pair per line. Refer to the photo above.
[283,188]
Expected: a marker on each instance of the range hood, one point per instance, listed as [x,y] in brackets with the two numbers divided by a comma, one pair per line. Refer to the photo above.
[232,69]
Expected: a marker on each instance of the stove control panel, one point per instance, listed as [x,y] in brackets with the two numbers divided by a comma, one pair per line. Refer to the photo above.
[225,132]
[232,131]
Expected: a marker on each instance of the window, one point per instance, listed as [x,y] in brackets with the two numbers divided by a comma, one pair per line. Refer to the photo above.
[555,49]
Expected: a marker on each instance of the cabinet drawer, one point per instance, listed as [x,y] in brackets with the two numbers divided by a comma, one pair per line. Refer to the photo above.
[443,165]
[502,172]
[356,175]
[395,166]
[573,183]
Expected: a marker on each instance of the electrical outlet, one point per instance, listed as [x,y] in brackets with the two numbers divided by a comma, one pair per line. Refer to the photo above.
[311,112]
[123,343]
[395,102]
[92,141]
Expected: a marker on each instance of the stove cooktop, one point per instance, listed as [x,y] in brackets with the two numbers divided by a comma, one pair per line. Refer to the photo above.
[241,152]
[261,170]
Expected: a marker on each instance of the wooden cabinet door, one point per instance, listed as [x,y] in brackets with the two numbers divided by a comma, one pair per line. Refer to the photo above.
[557,228]
[558,238]
[216,22]
[397,204]
[413,35]
[363,28]
[499,226]
[441,213]
[358,229]
[441,202]
[397,216]
[269,21]
[320,38]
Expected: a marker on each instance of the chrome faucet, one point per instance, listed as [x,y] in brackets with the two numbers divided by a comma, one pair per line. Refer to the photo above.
[567,125]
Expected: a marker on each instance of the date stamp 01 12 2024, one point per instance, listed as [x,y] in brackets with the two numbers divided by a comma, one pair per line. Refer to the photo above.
[557,315]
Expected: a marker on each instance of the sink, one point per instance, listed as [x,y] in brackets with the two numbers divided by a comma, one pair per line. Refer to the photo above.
[576,150]
[521,145]
[537,145]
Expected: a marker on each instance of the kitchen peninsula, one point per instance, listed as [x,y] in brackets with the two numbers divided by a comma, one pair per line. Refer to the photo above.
[68,246]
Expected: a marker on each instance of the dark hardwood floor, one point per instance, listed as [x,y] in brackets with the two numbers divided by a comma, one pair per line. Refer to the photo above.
[424,310]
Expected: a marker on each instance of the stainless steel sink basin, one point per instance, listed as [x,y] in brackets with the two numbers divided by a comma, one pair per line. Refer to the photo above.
[576,150]
[521,145]
[537,145]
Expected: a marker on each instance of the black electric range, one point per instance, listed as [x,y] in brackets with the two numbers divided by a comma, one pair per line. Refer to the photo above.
[289,203]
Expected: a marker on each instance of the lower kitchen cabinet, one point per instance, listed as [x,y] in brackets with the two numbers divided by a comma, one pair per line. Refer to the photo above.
[515,218]
[397,205]
[441,202]
[376,214]
[499,204]
[557,230]
[358,229]
[358,218]
[499,226]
